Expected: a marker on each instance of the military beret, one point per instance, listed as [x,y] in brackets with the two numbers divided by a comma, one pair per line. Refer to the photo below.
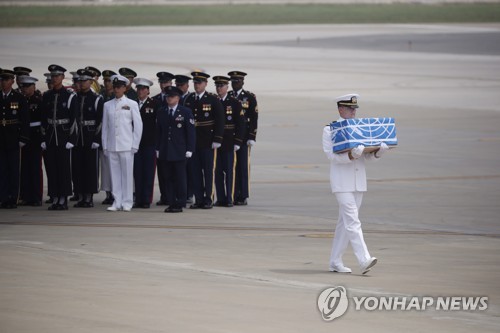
[19,71]
[27,80]
[94,70]
[7,73]
[237,74]
[119,80]
[221,79]
[165,76]
[56,70]
[180,79]
[85,74]
[199,76]
[107,73]
[172,91]
[350,100]
[139,81]
[127,72]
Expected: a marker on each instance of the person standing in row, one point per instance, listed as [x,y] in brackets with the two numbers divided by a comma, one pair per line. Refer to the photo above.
[348,183]
[107,94]
[31,155]
[175,144]
[251,112]
[209,120]
[164,80]
[14,134]
[59,137]
[233,136]
[85,154]
[130,75]
[121,135]
[145,158]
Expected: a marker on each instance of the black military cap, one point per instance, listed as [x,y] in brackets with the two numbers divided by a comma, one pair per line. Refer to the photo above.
[22,71]
[165,77]
[127,72]
[47,78]
[237,75]
[94,70]
[85,74]
[56,70]
[221,79]
[107,73]
[200,76]
[181,79]
[172,91]
[7,74]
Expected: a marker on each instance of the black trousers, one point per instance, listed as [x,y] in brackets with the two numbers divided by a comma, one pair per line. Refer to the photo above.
[58,161]
[203,175]
[9,174]
[31,173]
[144,174]
[242,184]
[224,176]
[174,173]
[85,169]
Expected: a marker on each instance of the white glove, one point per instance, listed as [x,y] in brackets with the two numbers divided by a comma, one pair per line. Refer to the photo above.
[189,154]
[157,154]
[236,147]
[250,143]
[381,151]
[105,152]
[21,144]
[215,145]
[134,150]
[356,152]
[43,145]
[95,145]
[69,145]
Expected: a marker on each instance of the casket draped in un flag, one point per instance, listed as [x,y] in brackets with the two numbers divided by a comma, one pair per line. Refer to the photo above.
[369,132]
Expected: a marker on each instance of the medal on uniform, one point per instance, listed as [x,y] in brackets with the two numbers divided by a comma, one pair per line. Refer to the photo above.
[229,117]
[179,125]
[207,114]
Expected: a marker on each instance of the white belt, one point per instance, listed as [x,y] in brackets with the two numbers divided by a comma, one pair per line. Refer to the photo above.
[88,122]
[36,123]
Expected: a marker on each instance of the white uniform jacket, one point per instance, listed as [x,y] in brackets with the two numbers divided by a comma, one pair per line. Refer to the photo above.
[121,125]
[345,175]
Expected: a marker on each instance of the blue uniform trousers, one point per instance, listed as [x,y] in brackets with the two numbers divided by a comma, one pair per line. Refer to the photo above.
[174,174]
[203,175]
[224,176]
[241,188]
[9,174]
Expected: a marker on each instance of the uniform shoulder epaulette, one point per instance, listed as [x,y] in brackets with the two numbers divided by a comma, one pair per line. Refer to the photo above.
[212,94]
[250,93]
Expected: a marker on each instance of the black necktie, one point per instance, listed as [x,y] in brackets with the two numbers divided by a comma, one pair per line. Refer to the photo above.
[171,112]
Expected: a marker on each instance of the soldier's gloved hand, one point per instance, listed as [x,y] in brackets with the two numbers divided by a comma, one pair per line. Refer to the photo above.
[134,150]
[189,154]
[236,147]
[251,143]
[215,145]
[69,145]
[381,151]
[43,145]
[157,154]
[356,152]
[21,144]
[95,145]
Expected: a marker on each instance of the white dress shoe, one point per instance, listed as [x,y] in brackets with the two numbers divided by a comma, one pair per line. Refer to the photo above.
[365,268]
[112,209]
[340,269]
[127,209]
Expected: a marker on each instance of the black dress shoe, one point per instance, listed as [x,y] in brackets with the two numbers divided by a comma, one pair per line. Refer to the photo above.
[195,206]
[189,200]
[89,204]
[63,206]
[219,204]
[241,203]
[173,209]
[79,204]
[74,198]
[145,206]
[161,203]
[136,205]
[53,206]
[34,203]
[49,200]
[108,201]
[207,206]
[229,204]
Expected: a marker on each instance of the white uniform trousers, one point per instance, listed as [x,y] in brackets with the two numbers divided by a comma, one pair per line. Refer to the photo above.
[105,172]
[348,229]
[122,178]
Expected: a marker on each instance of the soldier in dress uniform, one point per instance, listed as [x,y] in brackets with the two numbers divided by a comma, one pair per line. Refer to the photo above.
[14,135]
[233,138]
[85,154]
[20,71]
[75,87]
[145,158]
[175,144]
[48,81]
[209,120]
[107,94]
[31,155]
[251,113]
[130,75]
[165,80]
[59,137]
[182,82]
[121,136]
[96,74]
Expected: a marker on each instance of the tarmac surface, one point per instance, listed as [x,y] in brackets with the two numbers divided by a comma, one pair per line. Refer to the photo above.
[431,214]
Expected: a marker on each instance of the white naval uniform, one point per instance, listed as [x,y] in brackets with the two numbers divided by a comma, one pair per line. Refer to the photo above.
[348,182]
[121,133]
